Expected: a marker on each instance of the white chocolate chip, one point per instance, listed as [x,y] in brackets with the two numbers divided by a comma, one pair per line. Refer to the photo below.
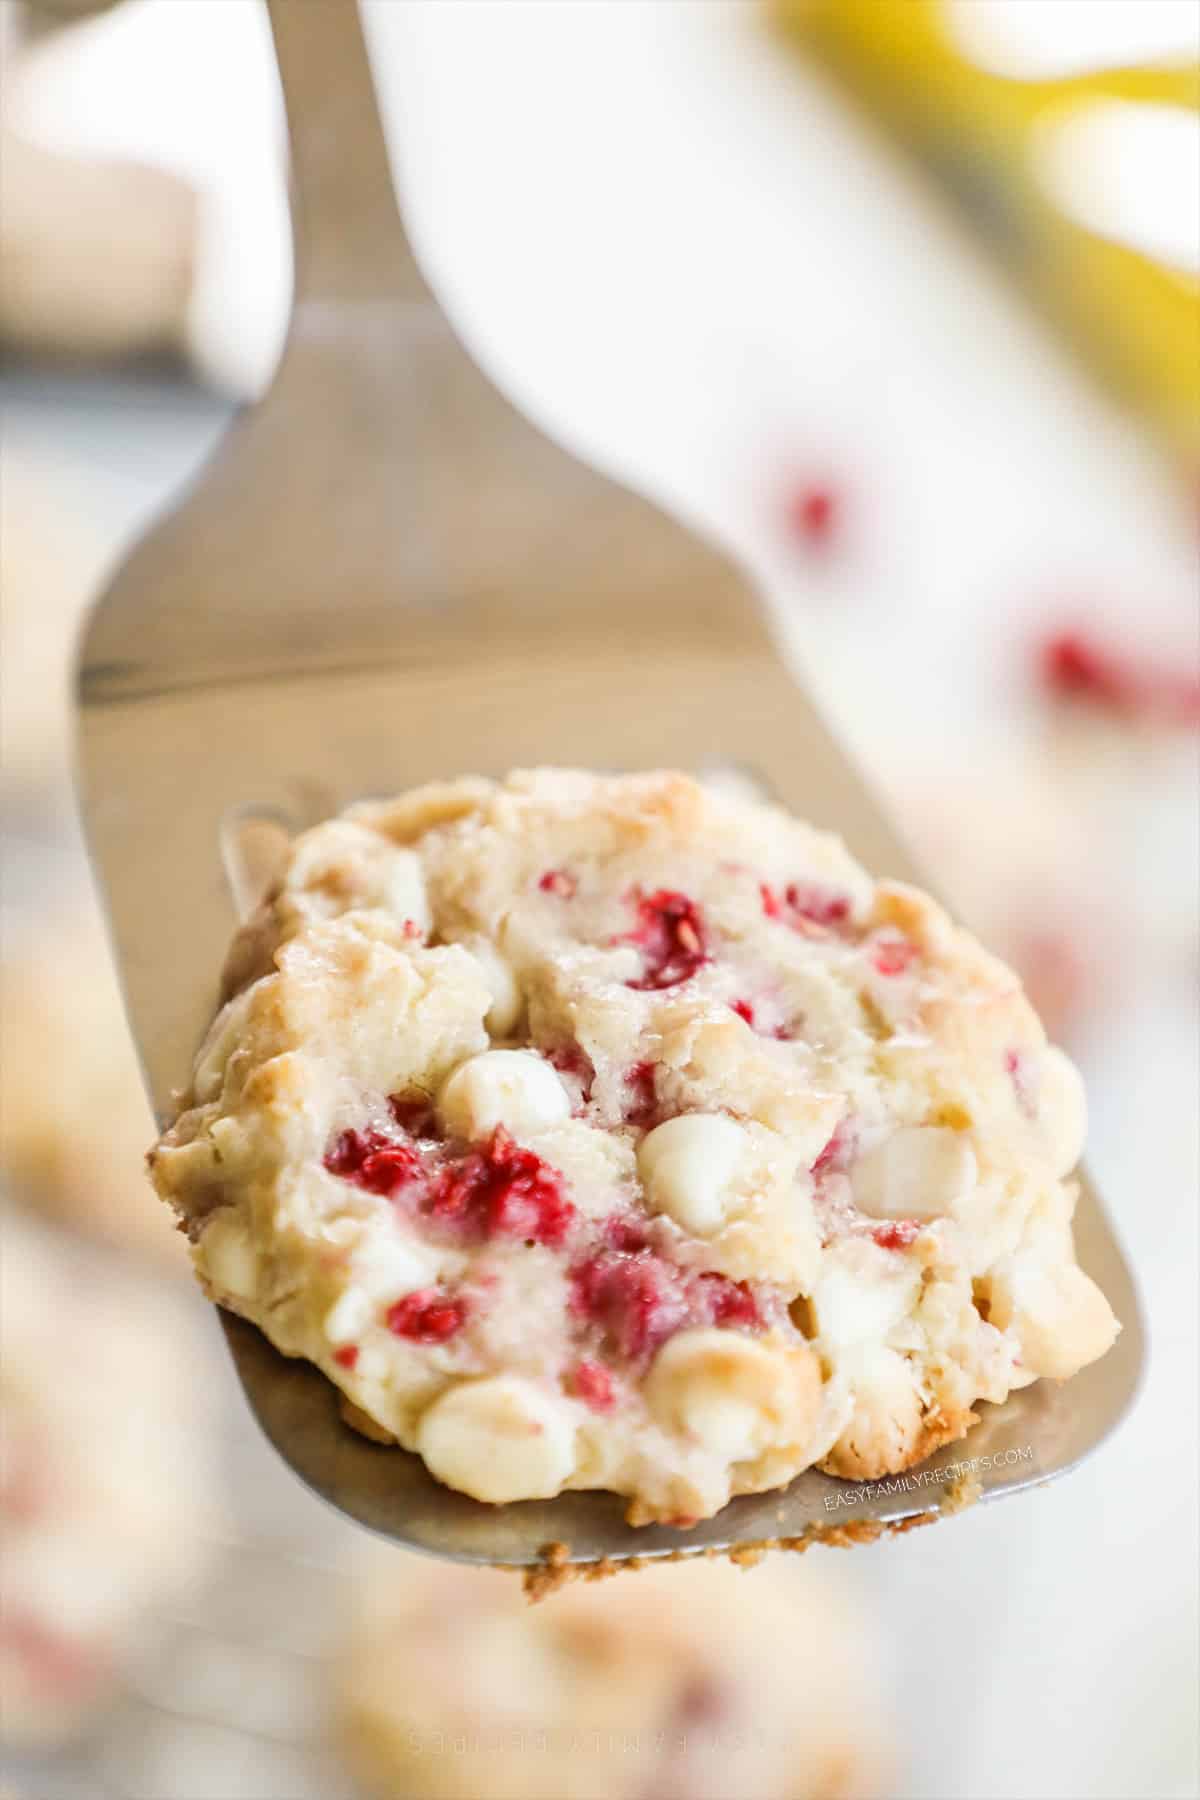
[228,1256]
[400,886]
[920,1172]
[1061,1109]
[348,1317]
[1058,1316]
[885,1417]
[499,1439]
[687,1167]
[863,1292]
[505,1009]
[514,1088]
[733,1394]
[387,1266]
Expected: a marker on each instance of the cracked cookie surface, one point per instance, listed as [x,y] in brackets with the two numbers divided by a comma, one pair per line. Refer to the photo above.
[600,1132]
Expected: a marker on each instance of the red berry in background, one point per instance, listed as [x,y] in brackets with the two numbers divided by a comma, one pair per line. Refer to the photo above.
[814,513]
[1074,664]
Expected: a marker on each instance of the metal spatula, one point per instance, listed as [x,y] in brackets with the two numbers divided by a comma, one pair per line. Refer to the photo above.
[386,576]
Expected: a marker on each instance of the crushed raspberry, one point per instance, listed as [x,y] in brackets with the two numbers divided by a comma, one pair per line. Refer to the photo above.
[502,1190]
[670,935]
[427,1317]
[572,1059]
[387,1171]
[346,1356]
[411,929]
[893,955]
[351,1149]
[592,1383]
[1074,665]
[730,1302]
[814,513]
[560,882]
[744,1010]
[638,1301]
[642,1106]
[803,904]
[626,1234]
[373,1161]
[897,1234]
[414,1113]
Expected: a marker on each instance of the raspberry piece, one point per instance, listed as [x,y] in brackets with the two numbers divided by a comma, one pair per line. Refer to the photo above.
[573,1059]
[387,1171]
[670,935]
[804,905]
[638,1301]
[730,1302]
[560,882]
[897,1234]
[427,1317]
[814,513]
[893,955]
[643,1101]
[592,1383]
[744,1010]
[626,1234]
[350,1150]
[1075,666]
[373,1161]
[502,1190]
[346,1356]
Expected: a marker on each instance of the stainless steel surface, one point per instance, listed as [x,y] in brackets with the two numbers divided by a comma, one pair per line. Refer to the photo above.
[384,576]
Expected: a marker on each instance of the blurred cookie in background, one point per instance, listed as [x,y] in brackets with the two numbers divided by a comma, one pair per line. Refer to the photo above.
[74,1120]
[106,1493]
[692,1681]
[1060,848]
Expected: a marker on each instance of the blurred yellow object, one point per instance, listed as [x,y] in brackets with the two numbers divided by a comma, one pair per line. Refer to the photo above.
[1137,318]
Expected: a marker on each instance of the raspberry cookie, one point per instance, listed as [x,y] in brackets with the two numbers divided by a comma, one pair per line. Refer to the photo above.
[107,1498]
[72,1147]
[603,1133]
[452,1686]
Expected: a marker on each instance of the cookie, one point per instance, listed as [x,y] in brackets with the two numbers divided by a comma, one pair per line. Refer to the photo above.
[602,1132]
[452,1687]
[73,1112]
[106,1496]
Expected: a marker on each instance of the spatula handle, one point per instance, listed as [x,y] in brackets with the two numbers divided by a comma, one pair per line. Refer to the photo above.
[350,241]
